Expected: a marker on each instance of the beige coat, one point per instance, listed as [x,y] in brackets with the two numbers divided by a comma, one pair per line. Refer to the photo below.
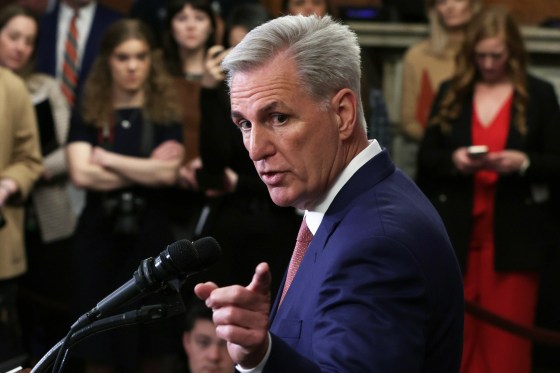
[20,160]
[420,60]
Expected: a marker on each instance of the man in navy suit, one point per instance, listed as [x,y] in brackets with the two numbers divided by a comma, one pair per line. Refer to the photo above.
[379,288]
[93,20]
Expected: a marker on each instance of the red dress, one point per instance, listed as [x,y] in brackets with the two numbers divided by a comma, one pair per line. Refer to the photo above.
[510,294]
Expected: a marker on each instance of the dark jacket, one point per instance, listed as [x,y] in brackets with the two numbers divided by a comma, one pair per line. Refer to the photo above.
[522,229]
[46,47]
[379,288]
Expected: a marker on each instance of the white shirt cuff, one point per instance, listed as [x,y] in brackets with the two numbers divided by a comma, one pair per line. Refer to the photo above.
[259,368]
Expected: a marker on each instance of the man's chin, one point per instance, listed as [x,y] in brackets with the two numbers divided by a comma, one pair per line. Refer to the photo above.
[279,197]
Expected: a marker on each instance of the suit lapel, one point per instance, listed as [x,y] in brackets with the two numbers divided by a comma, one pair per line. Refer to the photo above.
[46,58]
[371,173]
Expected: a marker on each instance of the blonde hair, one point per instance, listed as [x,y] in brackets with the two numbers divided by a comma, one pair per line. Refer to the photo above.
[439,37]
[489,23]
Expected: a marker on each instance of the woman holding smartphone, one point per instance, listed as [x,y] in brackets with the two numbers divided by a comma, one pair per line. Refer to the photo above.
[495,205]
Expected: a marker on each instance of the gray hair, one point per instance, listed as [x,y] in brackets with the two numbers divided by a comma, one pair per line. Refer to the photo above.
[325,51]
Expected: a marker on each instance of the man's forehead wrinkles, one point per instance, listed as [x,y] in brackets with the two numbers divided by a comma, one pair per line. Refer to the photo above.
[260,99]
[270,87]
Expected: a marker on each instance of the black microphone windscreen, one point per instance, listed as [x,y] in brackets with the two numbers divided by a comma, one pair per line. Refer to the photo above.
[183,255]
[209,251]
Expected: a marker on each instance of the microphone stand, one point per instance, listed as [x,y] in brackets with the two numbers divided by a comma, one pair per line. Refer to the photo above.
[142,283]
[143,315]
[169,270]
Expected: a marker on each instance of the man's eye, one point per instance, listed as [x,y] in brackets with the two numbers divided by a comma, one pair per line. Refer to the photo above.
[244,125]
[280,118]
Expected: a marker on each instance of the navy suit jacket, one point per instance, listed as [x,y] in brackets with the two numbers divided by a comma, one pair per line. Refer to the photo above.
[46,47]
[379,288]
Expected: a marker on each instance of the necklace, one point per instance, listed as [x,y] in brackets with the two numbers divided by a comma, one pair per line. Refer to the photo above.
[126,122]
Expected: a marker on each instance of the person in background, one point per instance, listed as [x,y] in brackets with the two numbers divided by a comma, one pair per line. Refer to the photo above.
[91,19]
[205,351]
[425,66]
[124,148]
[373,284]
[20,167]
[238,201]
[306,7]
[513,119]
[50,217]
[190,31]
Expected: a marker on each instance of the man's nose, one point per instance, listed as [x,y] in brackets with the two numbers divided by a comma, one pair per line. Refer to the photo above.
[260,144]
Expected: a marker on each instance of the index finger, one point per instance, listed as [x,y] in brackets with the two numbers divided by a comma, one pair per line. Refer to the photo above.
[261,279]
[247,296]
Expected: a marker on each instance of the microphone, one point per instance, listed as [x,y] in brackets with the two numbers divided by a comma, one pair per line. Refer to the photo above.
[178,261]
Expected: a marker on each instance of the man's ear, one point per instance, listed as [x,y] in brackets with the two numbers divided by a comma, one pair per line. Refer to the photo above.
[345,106]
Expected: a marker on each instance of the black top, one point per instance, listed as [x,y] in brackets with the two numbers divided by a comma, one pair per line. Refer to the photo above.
[522,227]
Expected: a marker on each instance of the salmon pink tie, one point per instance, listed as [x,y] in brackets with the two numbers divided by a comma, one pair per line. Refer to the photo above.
[303,239]
[70,62]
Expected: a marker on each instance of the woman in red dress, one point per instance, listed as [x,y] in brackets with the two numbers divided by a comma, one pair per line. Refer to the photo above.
[494,198]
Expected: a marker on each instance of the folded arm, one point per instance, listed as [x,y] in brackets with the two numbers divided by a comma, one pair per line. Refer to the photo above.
[158,170]
[89,175]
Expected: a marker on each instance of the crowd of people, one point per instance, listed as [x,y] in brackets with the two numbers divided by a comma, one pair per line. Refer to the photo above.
[123,133]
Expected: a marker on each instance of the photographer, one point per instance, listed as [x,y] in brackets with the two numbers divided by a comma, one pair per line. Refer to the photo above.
[124,147]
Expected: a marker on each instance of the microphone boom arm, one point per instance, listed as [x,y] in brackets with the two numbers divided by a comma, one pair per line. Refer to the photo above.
[143,315]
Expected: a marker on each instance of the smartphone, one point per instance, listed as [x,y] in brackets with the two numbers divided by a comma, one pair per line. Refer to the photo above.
[476,150]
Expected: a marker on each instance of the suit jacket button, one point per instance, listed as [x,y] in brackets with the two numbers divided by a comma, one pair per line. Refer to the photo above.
[442,198]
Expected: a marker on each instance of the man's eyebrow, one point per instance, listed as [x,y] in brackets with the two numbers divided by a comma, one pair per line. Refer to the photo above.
[265,109]
[270,107]
[236,115]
